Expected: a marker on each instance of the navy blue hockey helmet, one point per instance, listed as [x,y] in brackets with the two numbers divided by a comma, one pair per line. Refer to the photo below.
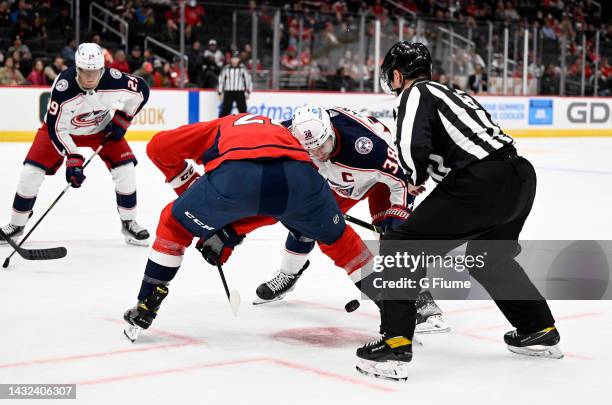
[410,58]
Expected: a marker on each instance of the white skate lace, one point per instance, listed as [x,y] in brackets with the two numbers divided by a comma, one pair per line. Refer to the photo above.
[10,228]
[279,282]
[375,342]
[133,227]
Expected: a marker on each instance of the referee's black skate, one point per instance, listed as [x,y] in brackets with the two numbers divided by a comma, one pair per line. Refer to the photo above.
[280,285]
[142,315]
[387,357]
[429,315]
[539,344]
[12,231]
[134,233]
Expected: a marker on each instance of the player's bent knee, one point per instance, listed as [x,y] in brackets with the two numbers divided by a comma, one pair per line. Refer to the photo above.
[124,177]
[170,229]
[30,180]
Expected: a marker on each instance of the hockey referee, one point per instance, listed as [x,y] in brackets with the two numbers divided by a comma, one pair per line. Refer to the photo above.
[235,85]
[484,194]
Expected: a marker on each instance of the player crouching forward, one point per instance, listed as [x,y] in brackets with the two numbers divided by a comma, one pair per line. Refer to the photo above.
[352,153]
[88,105]
[255,171]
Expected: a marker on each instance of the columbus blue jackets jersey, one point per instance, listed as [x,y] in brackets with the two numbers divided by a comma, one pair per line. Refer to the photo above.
[363,156]
[74,112]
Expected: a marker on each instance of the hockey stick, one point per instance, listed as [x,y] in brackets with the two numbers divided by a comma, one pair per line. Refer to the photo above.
[35,254]
[8,259]
[233,297]
[362,223]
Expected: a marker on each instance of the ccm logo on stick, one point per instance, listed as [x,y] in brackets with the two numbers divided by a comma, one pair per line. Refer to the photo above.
[198,222]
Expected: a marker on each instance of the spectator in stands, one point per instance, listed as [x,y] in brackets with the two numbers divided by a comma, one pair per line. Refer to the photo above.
[39,31]
[478,81]
[194,17]
[135,59]
[68,51]
[549,83]
[53,70]
[342,81]
[19,46]
[5,14]
[120,62]
[161,75]
[196,61]
[172,21]
[144,15]
[175,74]
[23,65]
[65,22]
[37,76]
[22,12]
[289,60]
[146,72]
[213,53]
[10,75]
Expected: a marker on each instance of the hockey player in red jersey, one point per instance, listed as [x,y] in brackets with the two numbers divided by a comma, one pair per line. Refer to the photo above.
[251,164]
[355,155]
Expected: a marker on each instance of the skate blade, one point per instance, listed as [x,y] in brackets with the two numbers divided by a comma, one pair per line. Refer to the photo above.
[132,332]
[549,352]
[136,242]
[259,301]
[433,324]
[386,370]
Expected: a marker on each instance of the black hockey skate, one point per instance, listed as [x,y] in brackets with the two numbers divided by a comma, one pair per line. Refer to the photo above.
[141,316]
[539,344]
[387,357]
[429,315]
[12,231]
[280,285]
[134,233]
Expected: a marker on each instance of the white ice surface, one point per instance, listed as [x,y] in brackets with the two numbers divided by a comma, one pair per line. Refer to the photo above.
[60,321]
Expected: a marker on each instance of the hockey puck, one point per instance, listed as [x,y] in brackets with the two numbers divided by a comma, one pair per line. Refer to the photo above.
[352,305]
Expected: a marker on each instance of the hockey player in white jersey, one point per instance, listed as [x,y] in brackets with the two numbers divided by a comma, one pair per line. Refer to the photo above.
[89,105]
[354,154]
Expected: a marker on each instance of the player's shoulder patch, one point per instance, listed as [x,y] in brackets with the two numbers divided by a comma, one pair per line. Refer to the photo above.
[115,73]
[364,145]
[61,85]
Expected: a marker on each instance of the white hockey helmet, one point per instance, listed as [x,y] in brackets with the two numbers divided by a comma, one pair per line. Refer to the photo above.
[89,57]
[311,126]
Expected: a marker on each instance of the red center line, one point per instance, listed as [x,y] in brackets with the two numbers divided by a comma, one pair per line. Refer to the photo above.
[183,341]
[277,362]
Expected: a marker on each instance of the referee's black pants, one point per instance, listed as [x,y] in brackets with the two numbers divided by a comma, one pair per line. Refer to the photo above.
[229,97]
[486,201]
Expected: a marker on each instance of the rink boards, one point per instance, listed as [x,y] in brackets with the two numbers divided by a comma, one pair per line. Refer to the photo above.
[23,109]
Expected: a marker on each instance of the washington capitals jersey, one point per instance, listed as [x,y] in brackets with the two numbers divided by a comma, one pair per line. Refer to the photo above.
[362,157]
[74,112]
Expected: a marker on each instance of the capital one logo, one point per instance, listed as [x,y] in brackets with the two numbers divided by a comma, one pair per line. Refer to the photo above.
[588,112]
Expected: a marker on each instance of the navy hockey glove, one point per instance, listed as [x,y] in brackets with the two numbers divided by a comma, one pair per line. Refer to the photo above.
[74,170]
[391,218]
[217,249]
[118,126]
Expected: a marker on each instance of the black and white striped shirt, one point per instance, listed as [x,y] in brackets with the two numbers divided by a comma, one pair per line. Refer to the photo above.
[440,130]
[235,78]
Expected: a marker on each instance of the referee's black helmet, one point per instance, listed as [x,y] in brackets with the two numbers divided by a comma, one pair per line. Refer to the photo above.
[412,59]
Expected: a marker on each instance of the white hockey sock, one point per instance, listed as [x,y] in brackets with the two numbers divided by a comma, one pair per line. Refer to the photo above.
[124,178]
[292,263]
[30,180]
